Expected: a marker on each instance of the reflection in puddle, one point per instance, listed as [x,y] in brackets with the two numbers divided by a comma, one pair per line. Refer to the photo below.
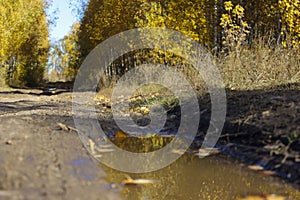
[190,178]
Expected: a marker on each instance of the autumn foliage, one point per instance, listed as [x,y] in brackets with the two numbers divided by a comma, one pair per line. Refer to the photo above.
[24,41]
[220,26]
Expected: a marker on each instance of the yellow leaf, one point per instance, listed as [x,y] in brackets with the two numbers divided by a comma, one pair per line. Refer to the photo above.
[145,110]
[228,5]
[121,134]
[130,181]
[255,167]
[264,197]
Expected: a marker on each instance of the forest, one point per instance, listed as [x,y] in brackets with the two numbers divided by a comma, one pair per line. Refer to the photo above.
[24,42]
[257,40]
[61,138]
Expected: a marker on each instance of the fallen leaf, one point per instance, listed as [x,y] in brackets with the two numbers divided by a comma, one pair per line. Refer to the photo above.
[132,99]
[255,167]
[121,134]
[268,173]
[130,181]
[138,109]
[207,152]
[63,127]
[264,197]
[145,110]
[275,197]
[92,146]
[178,151]
[9,142]
[266,113]
[252,198]
[99,98]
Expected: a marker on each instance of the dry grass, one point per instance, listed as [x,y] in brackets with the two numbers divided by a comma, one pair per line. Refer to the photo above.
[147,95]
[261,65]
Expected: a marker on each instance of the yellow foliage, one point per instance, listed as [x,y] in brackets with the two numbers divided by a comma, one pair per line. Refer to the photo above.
[228,5]
[24,39]
[235,28]
[238,11]
[290,19]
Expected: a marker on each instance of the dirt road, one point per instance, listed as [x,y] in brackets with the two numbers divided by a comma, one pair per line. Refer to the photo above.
[41,160]
[38,158]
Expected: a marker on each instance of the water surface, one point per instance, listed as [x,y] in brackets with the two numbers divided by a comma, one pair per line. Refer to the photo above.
[212,178]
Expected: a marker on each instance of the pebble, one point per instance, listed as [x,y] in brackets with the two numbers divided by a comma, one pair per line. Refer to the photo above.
[9,142]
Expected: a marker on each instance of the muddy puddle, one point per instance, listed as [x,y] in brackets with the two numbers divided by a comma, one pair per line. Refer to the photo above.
[191,178]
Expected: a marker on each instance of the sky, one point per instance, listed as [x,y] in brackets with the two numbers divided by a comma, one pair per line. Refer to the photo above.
[65,19]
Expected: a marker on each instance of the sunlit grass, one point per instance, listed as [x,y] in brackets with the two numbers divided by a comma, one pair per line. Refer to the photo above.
[143,98]
[261,65]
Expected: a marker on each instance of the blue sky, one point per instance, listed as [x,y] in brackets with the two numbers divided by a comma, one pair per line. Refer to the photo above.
[65,19]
